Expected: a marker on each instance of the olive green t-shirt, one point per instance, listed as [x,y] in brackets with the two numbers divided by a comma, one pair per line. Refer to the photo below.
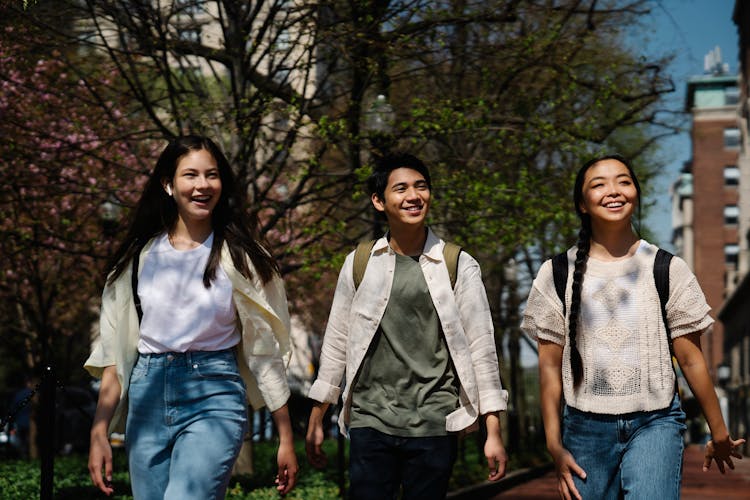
[407,384]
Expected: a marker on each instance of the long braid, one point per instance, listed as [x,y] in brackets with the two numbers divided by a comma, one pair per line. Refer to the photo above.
[584,243]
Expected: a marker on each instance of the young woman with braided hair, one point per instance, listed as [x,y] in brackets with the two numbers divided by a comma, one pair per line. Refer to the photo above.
[621,433]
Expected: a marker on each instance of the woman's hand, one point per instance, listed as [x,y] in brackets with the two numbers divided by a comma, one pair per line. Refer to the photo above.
[286,459]
[566,466]
[722,451]
[288,468]
[100,458]
[100,451]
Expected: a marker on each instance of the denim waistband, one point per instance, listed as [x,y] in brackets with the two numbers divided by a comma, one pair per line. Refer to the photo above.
[187,357]
[607,417]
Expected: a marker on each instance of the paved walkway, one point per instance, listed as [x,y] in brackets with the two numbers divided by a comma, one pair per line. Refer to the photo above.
[696,484]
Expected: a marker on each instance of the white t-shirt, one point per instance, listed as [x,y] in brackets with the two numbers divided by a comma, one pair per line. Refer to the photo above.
[179,313]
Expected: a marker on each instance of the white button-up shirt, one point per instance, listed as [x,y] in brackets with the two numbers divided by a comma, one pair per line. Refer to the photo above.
[464,316]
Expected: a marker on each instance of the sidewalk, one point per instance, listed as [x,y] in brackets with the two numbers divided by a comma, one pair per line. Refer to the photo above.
[696,484]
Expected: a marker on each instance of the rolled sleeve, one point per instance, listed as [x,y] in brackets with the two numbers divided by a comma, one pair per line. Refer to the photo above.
[476,319]
[270,375]
[333,356]
[103,352]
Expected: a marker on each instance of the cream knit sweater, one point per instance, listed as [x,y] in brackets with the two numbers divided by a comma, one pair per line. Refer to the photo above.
[621,335]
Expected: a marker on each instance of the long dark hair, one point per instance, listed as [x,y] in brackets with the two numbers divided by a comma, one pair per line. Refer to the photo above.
[582,253]
[156,212]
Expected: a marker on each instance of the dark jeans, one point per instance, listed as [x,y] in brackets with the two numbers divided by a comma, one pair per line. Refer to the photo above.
[381,464]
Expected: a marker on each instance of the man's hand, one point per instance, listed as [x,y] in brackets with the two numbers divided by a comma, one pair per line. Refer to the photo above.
[314,438]
[497,459]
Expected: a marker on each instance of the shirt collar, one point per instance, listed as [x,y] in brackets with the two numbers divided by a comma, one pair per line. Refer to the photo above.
[432,248]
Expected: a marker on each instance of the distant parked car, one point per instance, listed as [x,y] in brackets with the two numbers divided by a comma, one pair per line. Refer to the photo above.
[10,445]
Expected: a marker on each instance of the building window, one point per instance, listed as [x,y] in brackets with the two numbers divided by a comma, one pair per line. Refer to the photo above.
[731,214]
[190,7]
[731,96]
[191,35]
[731,138]
[731,253]
[731,175]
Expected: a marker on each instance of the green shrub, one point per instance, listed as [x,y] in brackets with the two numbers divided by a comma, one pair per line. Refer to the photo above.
[19,480]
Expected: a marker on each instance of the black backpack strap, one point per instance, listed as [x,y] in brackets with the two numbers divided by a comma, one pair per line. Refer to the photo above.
[134,284]
[661,278]
[560,275]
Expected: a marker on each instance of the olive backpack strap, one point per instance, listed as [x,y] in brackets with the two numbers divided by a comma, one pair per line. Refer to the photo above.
[361,256]
[134,284]
[560,276]
[451,252]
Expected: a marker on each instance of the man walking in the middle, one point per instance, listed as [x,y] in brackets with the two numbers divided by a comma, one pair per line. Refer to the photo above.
[419,353]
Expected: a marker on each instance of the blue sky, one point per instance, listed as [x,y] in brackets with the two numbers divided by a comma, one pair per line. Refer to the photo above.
[690,29]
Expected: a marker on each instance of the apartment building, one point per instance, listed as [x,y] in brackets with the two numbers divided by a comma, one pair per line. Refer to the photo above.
[706,194]
[735,313]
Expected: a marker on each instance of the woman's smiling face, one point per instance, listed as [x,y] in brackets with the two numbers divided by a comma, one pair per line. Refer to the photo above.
[196,186]
[609,193]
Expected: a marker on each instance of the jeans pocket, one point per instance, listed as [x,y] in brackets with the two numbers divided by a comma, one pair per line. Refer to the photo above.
[217,368]
[139,371]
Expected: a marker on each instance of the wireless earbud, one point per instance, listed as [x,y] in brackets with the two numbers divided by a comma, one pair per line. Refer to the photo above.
[169,190]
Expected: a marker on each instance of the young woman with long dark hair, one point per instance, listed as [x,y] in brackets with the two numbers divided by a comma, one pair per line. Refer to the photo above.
[194,324]
[606,354]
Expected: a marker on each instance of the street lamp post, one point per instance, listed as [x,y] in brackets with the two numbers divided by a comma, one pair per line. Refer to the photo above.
[109,215]
[379,124]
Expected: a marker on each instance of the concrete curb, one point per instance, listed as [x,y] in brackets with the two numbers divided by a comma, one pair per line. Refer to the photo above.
[488,489]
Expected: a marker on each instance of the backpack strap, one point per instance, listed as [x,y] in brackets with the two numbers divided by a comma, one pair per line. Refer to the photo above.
[361,256]
[451,253]
[560,275]
[134,284]
[661,278]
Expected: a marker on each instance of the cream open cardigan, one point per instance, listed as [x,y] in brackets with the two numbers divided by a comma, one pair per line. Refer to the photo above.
[263,352]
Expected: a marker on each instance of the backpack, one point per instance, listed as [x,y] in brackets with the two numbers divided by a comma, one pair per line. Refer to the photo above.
[451,252]
[661,278]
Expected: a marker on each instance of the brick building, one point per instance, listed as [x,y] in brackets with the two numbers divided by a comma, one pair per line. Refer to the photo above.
[735,315]
[706,194]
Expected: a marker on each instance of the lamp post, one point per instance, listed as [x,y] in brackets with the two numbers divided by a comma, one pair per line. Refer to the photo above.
[109,216]
[379,124]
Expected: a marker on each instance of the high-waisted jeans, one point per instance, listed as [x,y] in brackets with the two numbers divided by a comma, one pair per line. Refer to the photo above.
[636,455]
[187,417]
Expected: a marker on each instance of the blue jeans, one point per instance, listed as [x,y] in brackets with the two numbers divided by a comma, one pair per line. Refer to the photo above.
[381,464]
[635,455]
[187,417]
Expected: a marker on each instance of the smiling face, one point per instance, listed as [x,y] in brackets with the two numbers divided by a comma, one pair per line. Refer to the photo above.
[195,187]
[609,194]
[406,198]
